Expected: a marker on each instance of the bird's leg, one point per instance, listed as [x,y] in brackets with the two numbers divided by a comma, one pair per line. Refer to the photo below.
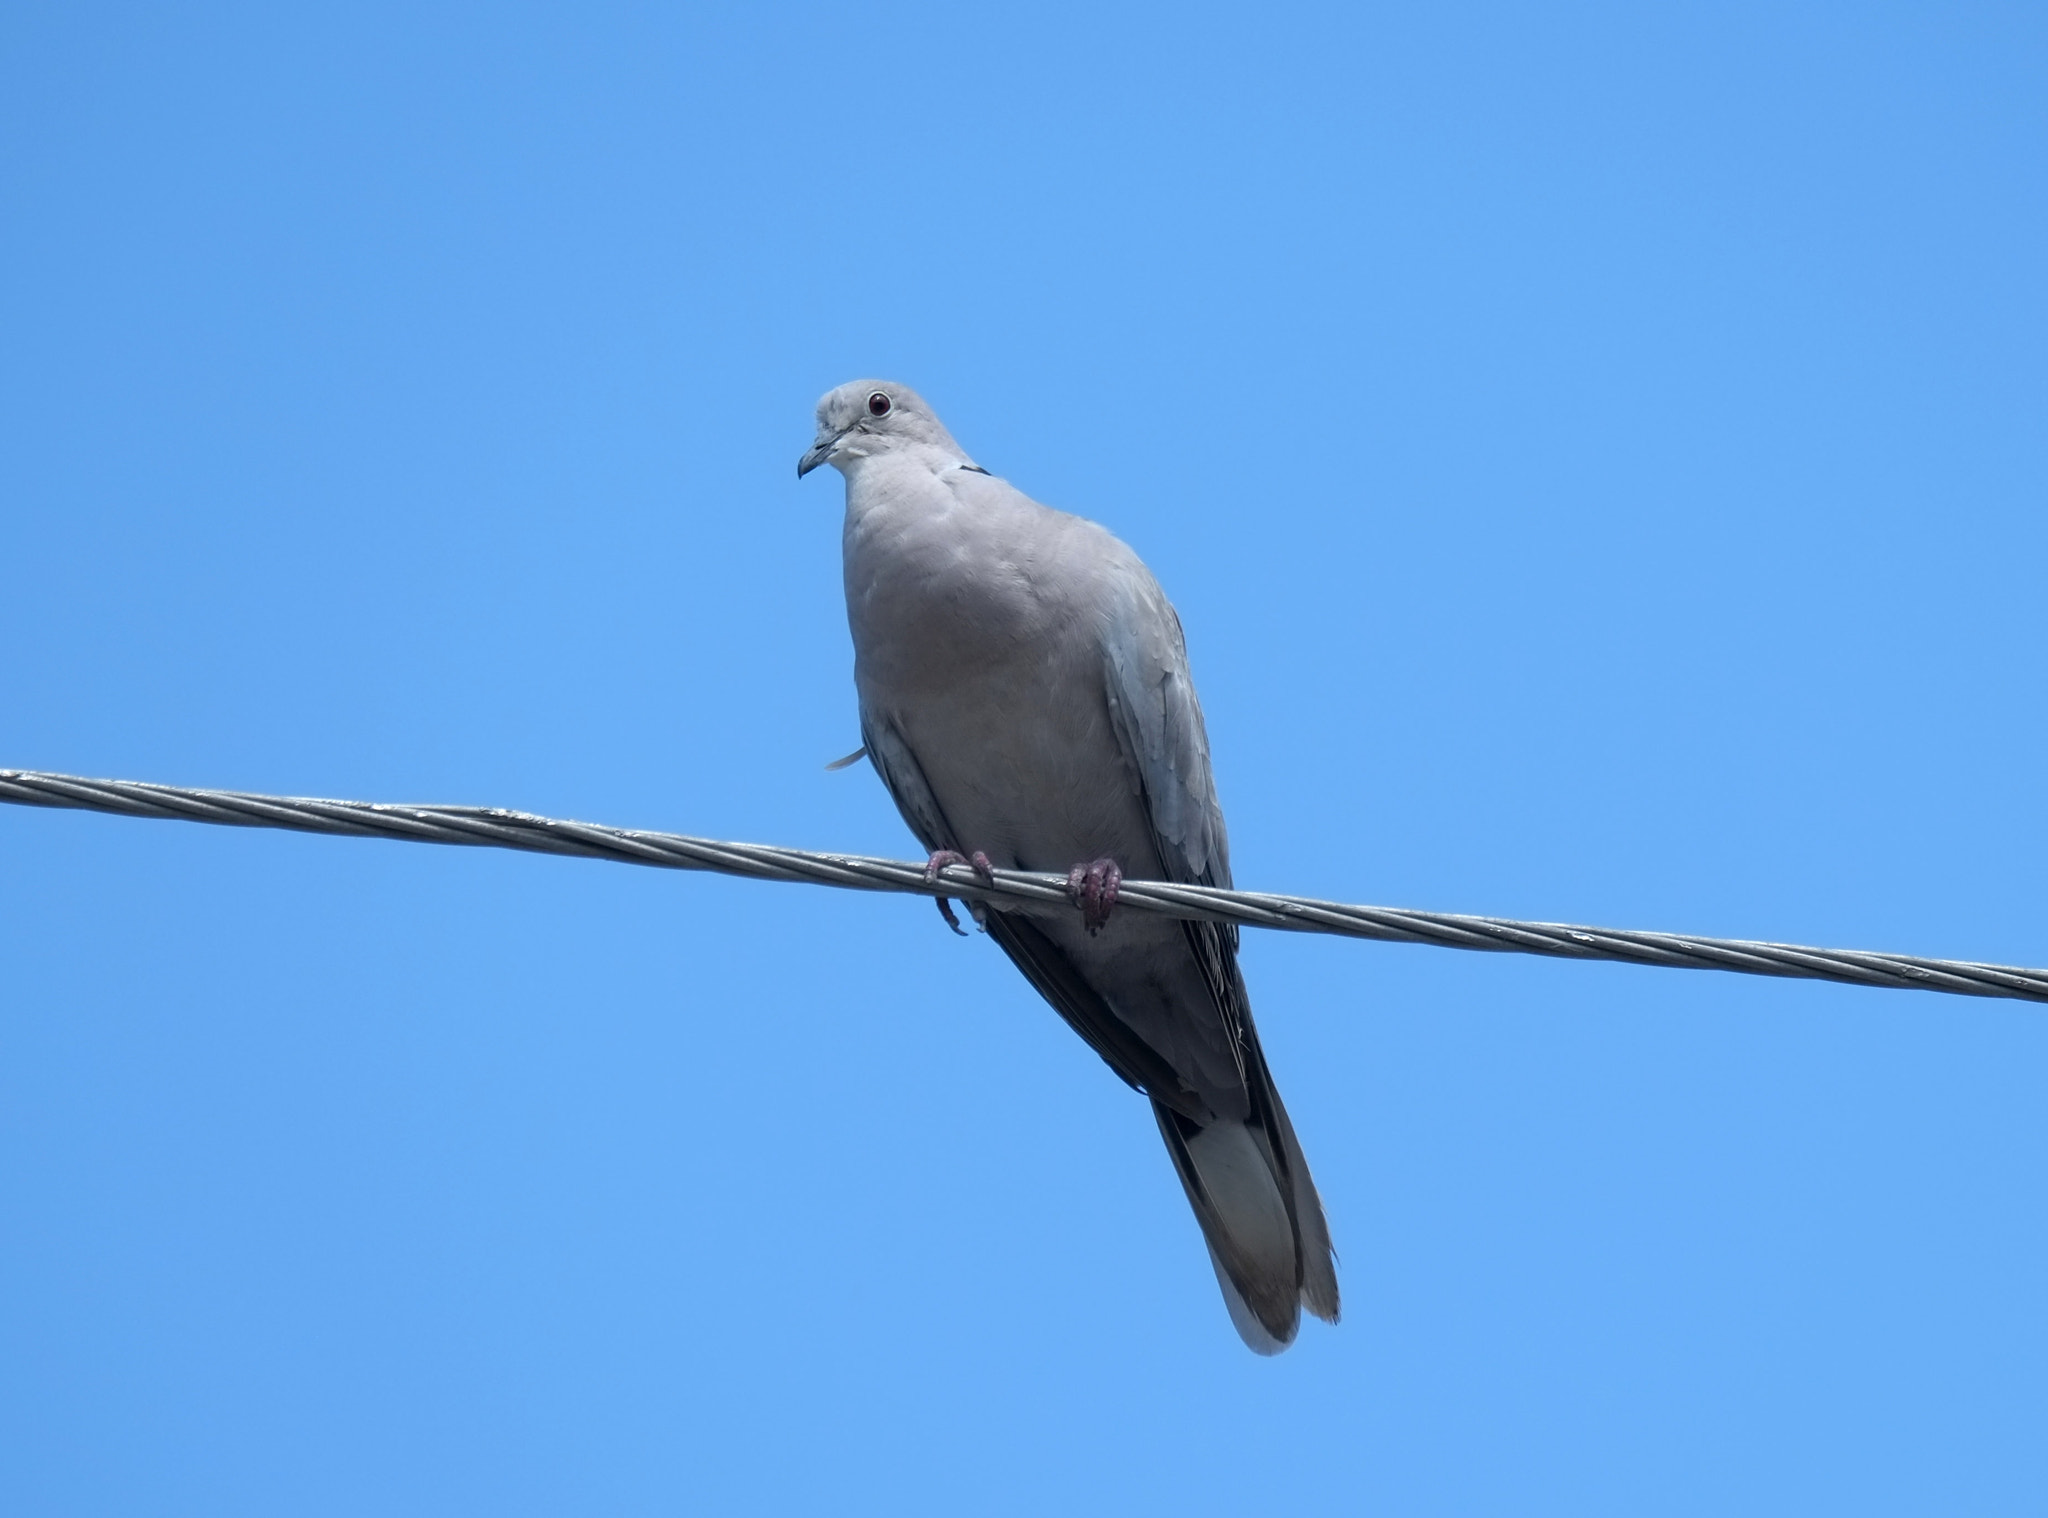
[977,862]
[945,858]
[1093,888]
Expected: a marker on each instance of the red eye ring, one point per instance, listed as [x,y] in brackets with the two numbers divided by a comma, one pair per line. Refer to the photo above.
[878,404]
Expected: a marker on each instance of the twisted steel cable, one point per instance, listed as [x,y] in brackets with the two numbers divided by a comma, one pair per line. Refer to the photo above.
[494,827]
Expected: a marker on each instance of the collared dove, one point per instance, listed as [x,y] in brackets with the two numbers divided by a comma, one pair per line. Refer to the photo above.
[1024,695]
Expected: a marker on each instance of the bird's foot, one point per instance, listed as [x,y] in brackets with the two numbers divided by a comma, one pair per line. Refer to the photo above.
[977,862]
[1093,888]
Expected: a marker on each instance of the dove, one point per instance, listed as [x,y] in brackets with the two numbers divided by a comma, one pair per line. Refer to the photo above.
[1025,698]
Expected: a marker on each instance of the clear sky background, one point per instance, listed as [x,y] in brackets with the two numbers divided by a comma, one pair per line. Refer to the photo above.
[1598,454]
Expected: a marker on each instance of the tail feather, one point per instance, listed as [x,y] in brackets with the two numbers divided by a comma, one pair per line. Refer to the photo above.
[1242,1318]
[1252,1214]
[1318,1259]
[1249,1185]
[1245,1176]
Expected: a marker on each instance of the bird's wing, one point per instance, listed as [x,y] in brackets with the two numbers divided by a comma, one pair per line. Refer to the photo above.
[1158,723]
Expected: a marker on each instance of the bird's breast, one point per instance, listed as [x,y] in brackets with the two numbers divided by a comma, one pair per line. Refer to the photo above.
[938,593]
[976,637]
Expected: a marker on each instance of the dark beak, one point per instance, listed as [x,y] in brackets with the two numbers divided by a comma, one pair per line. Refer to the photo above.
[820,451]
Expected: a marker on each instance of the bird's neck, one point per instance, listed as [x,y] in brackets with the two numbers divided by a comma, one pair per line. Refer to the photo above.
[898,466]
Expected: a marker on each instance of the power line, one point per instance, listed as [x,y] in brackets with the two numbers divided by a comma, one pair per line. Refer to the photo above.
[494,827]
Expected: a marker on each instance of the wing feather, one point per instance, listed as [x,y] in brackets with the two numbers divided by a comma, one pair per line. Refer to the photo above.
[1158,722]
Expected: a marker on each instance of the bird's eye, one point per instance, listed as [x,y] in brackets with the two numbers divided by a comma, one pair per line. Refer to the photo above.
[878,404]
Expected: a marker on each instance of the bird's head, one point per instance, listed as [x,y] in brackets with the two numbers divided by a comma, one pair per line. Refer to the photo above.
[863,418]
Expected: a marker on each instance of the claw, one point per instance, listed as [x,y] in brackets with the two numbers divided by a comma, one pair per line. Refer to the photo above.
[977,862]
[1093,888]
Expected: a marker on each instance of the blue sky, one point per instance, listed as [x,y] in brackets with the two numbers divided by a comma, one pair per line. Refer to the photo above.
[1598,456]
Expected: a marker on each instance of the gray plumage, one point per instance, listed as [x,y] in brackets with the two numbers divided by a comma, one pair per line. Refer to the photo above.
[1024,692]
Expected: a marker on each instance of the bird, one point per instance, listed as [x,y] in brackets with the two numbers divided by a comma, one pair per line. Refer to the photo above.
[1025,698]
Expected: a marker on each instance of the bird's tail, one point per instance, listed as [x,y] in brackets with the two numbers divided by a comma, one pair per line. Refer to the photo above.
[1253,1196]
